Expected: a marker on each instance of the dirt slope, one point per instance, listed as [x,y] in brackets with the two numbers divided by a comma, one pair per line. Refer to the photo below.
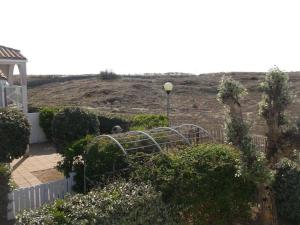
[193,98]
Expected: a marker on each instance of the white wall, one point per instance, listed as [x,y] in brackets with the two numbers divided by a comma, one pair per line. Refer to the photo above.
[37,134]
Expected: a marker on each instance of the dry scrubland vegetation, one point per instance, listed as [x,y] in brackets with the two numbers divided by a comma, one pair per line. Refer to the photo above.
[193,98]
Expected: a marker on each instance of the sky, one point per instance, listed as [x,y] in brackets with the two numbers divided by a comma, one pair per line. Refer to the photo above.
[145,36]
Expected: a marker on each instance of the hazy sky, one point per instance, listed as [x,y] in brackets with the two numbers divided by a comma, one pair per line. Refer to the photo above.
[137,36]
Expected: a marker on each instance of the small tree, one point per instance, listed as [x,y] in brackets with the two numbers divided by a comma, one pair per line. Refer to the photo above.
[14,134]
[236,130]
[231,92]
[237,133]
[275,99]
[14,139]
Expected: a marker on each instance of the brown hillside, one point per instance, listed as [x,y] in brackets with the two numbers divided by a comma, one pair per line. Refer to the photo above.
[193,99]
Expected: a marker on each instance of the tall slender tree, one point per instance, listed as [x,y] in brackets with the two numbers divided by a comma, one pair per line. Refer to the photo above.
[237,133]
[275,99]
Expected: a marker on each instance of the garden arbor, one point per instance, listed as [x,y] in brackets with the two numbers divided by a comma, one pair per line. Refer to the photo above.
[13,95]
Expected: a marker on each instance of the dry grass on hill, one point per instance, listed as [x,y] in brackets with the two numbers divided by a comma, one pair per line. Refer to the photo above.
[193,99]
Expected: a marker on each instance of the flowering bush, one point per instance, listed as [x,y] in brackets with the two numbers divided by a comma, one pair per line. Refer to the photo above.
[119,203]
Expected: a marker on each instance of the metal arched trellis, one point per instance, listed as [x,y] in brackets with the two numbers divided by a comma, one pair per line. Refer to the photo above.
[148,136]
[175,131]
[155,140]
[194,133]
[159,139]
[114,140]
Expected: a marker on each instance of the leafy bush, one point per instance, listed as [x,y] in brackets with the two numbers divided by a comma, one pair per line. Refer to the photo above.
[71,124]
[104,157]
[14,134]
[4,190]
[72,161]
[137,122]
[103,160]
[119,203]
[204,180]
[287,191]
[33,108]
[108,121]
[45,119]
[291,136]
[108,75]
[148,121]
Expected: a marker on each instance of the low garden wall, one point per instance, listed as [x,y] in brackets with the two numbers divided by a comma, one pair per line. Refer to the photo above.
[37,134]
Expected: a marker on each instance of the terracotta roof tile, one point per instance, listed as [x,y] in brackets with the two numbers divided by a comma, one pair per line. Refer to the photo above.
[10,53]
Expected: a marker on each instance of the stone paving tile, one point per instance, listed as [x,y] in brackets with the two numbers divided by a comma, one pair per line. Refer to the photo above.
[41,157]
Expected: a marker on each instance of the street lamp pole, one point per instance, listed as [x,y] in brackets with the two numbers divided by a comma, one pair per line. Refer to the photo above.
[168,87]
[168,105]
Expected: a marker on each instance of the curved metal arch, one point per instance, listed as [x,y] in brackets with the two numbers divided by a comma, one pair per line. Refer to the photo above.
[200,128]
[193,125]
[149,136]
[176,131]
[115,141]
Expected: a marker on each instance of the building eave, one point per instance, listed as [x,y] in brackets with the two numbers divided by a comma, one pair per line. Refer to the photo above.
[13,61]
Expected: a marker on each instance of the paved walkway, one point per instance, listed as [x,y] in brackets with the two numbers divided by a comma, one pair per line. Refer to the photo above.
[42,157]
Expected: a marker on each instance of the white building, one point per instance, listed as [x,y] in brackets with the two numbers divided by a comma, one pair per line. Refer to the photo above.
[13,93]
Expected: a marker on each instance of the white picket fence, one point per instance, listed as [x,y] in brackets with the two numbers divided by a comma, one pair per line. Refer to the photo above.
[35,196]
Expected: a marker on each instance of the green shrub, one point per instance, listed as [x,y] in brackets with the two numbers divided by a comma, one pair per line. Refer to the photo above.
[291,135]
[33,108]
[137,122]
[205,180]
[119,203]
[103,157]
[287,191]
[72,161]
[45,119]
[108,121]
[71,124]
[104,160]
[14,134]
[148,121]
[4,190]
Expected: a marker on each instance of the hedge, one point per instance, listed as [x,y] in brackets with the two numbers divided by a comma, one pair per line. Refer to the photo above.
[287,190]
[45,120]
[204,180]
[119,203]
[148,121]
[136,122]
[71,124]
[14,134]
[4,190]
[108,121]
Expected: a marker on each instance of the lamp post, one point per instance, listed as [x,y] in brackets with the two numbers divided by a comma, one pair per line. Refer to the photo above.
[168,87]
